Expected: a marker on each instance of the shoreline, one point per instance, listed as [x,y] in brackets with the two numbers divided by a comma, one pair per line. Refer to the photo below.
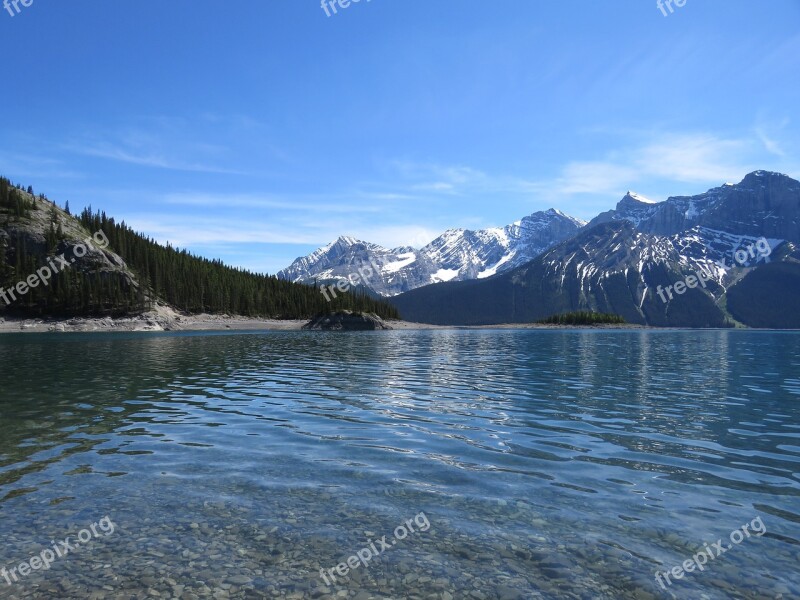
[155,322]
[164,319]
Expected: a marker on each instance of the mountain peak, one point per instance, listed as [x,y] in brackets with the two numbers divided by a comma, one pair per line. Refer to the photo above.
[554,212]
[633,203]
[346,240]
[549,218]
[633,196]
[760,176]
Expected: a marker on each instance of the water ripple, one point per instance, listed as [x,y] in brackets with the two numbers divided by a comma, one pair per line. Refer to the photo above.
[554,463]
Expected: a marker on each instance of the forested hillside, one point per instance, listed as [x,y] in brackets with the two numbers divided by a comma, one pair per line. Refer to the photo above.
[33,233]
[125,272]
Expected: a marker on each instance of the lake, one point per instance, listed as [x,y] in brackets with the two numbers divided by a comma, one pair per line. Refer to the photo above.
[485,464]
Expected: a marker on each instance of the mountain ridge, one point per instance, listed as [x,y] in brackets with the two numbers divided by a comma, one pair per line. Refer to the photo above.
[456,254]
[700,232]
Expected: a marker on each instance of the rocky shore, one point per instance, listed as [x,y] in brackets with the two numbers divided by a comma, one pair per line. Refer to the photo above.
[160,319]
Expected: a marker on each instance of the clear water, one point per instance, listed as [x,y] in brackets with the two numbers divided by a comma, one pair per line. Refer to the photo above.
[549,464]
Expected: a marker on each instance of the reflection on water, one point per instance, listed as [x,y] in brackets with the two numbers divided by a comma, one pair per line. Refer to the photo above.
[551,464]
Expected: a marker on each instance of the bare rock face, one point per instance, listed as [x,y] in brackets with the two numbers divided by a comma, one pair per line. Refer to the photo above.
[346,321]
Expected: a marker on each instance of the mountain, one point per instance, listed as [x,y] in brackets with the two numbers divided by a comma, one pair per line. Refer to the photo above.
[763,204]
[456,255]
[382,271]
[624,261]
[768,297]
[55,264]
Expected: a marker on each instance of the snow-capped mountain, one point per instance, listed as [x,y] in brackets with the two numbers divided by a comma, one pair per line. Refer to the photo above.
[625,259]
[384,271]
[464,254]
[614,268]
[456,255]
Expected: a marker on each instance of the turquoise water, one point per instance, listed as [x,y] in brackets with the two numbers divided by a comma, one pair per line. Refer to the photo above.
[548,464]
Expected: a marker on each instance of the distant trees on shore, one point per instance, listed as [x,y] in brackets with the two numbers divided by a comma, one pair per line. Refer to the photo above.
[583,318]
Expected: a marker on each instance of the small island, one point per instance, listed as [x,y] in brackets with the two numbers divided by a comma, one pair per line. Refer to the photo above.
[346,320]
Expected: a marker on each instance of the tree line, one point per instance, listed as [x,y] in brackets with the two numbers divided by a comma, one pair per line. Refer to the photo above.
[194,284]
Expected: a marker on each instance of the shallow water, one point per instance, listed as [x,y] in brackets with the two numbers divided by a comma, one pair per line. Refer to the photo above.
[548,464]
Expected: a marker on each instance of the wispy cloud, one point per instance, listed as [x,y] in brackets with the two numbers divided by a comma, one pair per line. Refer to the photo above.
[183,232]
[594,178]
[695,158]
[771,145]
[28,165]
[204,144]
[771,132]
[682,158]
[671,159]
[145,158]
[437,178]
[312,204]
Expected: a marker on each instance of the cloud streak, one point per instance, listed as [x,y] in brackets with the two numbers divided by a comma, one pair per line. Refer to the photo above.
[666,160]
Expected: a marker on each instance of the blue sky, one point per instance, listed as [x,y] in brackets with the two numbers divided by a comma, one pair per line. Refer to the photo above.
[258,130]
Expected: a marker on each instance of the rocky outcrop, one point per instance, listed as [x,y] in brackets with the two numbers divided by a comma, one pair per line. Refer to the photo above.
[346,321]
[51,264]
